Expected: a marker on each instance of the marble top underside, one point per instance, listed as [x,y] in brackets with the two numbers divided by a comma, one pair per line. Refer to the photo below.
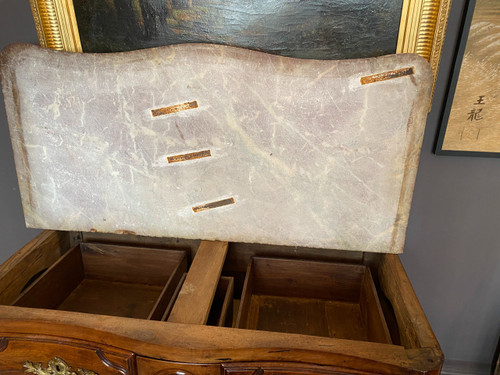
[216,142]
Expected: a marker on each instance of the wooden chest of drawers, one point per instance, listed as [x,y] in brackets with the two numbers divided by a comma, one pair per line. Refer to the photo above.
[138,345]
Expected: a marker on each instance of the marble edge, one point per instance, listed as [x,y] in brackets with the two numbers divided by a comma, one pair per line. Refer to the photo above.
[8,57]
[418,114]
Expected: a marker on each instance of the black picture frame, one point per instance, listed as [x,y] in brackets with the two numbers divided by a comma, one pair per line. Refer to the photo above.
[452,85]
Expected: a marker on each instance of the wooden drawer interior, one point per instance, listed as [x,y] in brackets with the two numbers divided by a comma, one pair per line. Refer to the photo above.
[317,298]
[221,312]
[325,296]
[171,303]
[110,280]
[314,298]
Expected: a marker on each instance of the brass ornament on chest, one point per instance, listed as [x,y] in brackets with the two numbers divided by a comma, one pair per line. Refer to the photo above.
[56,366]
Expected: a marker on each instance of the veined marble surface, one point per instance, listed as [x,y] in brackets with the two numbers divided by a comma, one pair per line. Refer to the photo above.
[216,142]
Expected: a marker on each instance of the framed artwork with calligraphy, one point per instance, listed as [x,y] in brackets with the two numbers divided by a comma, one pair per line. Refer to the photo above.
[471,119]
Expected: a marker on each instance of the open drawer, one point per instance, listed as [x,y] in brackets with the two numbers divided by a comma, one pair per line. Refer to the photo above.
[386,333]
[110,280]
[314,298]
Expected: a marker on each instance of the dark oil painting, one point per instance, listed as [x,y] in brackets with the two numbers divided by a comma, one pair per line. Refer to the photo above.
[320,29]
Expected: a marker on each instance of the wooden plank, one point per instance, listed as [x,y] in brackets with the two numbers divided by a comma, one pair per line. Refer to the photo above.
[127,263]
[39,254]
[194,343]
[290,315]
[169,291]
[196,295]
[244,312]
[345,320]
[171,303]
[415,330]
[115,298]
[222,305]
[371,310]
[174,243]
[311,279]
[226,316]
[240,254]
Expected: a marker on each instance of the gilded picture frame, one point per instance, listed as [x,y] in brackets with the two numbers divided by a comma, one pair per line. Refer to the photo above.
[422,26]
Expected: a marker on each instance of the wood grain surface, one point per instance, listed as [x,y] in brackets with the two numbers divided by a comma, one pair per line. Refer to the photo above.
[36,256]
[195,298]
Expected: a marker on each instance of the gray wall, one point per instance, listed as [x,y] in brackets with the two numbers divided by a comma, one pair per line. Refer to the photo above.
[16,25]
[452,251]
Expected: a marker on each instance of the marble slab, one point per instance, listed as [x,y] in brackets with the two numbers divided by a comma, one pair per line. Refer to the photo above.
[216,142]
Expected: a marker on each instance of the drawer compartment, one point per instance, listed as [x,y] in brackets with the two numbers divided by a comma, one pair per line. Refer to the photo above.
[221,312]
[338,278]
[110,280]
[314,298]
[175,294]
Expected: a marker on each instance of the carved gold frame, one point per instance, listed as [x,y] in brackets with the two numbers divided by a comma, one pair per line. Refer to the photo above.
[422,27]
